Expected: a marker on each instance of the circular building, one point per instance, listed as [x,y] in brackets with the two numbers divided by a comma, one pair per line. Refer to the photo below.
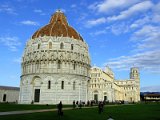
[55,65]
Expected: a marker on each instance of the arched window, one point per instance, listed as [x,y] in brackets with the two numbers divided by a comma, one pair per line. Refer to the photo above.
[74,85]
[49,84]
[50,45]
[39,46]
[71,46]
[61,46]
[59,64]
[62,85]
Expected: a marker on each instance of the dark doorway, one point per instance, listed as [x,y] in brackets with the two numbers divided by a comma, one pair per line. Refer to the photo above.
[96,97]
[36,95]
[105,98]
[4,97]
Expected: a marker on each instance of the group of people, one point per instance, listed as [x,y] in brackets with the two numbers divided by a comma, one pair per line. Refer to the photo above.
[79,105]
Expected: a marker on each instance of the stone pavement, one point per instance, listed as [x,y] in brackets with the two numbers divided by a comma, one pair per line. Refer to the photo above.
[29,111]
[34,111]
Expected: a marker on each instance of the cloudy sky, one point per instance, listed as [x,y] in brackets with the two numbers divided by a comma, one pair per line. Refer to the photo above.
[120,34]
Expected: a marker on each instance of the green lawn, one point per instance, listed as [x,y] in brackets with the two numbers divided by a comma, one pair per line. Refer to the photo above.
[120,112]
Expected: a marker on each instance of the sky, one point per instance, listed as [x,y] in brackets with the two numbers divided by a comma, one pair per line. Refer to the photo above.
[120,34]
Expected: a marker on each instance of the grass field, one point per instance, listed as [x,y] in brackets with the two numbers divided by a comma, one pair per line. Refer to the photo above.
[118,112]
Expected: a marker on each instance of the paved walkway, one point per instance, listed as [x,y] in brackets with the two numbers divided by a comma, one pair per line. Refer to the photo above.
[33,111]
[29,111]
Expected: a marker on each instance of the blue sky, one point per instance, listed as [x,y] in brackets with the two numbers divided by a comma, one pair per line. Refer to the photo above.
[119,33]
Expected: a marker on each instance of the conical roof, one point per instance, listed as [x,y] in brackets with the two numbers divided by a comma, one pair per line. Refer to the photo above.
[58,26]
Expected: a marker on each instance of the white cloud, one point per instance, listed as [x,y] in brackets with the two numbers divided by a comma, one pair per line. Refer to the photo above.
[7,9]
[140,22]
[146,51]
[96,22]
[156,13]
[98,32]
[29,22]
[157,8]
[11,42]
[156,18]
[155,88]
[111,5]
[119,28]
[39,12]
[147,38]
[148,61]
[135,9]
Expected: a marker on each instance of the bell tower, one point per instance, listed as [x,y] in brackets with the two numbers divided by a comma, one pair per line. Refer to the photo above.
[134,73]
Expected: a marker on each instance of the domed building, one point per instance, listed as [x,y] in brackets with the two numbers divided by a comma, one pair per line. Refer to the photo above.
[55,65]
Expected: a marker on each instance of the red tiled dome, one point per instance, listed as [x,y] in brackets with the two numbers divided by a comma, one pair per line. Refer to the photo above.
[58,26]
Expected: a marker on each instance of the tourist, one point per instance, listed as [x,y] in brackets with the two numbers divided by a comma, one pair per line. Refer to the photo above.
[80,104]
[88,103]
[100,107]
[91,103]
[74,104]
[77,104]
[60,113]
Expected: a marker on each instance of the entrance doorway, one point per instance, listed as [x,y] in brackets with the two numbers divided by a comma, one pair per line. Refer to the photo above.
[36,95]
[105,98]
[4,97]
[96,97]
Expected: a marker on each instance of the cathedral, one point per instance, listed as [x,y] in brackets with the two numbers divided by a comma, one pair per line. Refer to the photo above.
[56,67]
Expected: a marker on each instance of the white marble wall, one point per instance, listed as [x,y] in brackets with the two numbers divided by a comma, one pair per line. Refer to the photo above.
[102,82]
[11,95]
[40,65]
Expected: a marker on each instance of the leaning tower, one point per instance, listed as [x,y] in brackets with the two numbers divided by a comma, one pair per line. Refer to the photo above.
[55,65]
[134,74]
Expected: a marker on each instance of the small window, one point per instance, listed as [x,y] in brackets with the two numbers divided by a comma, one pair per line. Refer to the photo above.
[61,46]
[62,85]
[59,64]
[74,66]
[71,46]
[74,85]
[49,84]
[39,46]
[50,45]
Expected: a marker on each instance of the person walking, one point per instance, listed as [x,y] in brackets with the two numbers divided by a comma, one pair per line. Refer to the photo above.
[80,104]
[74,104]
[77,104]
[60,112]
[100,107]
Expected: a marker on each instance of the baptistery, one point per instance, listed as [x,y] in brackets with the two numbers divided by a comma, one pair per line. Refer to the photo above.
[55,65]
